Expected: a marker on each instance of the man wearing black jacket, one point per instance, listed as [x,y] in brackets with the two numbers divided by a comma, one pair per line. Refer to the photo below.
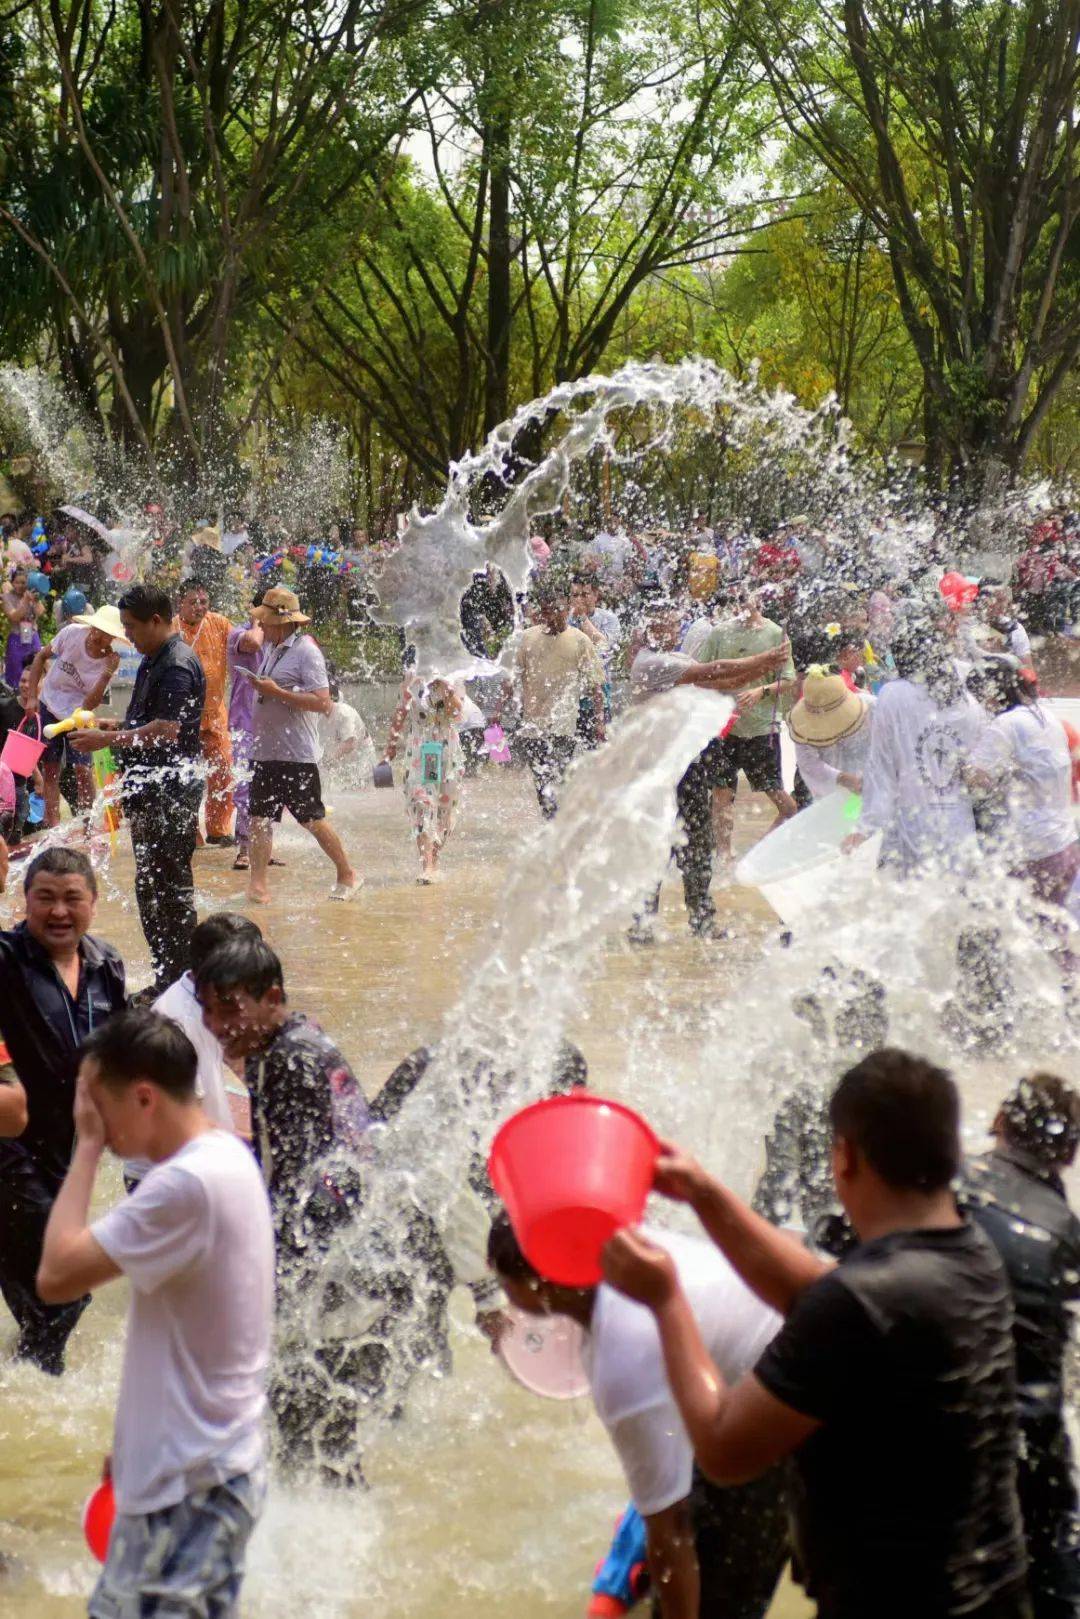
[1015,1193]
[57,983]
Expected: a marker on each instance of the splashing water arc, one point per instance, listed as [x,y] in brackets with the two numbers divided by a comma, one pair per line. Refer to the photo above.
[706,1043]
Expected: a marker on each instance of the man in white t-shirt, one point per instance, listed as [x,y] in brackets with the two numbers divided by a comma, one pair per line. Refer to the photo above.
[73,672]
[731,1561]
[195,1242]
[224,1099]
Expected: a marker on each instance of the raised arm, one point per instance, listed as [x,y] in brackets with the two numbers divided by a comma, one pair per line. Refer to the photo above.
[734,674]
[97,691]
[73,1262]
[397,725]
[774,1264]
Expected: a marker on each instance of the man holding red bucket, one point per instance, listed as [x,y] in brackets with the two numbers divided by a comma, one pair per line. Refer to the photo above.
[570,1169]
[891,1383]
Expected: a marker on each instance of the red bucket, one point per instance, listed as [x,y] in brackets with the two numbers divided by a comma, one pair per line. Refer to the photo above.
[99,1515]
[21,753]
[572,1170]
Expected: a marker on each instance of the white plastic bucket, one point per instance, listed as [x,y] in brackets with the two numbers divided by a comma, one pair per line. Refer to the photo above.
[800,865]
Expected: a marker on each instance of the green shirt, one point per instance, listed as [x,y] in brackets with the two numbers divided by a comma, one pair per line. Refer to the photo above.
[734,639]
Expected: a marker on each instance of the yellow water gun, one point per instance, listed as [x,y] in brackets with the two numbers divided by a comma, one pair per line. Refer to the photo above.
[82,720]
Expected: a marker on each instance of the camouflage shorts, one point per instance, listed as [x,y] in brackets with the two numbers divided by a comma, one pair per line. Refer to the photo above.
[184,1562]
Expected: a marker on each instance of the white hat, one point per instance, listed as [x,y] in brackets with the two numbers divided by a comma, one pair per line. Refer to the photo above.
[828,711]
[106,619]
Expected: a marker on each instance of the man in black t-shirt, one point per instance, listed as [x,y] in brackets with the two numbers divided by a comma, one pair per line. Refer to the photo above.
[1016,1194]
[892,1381]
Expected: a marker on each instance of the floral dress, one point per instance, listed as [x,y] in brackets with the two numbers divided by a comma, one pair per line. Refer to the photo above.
[431,806]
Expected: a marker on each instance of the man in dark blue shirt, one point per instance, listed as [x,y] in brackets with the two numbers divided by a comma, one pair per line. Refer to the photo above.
[57,983]
[158,747]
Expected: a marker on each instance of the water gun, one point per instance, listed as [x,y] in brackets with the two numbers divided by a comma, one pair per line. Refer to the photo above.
[81,720]
[38,543]
[622,1579]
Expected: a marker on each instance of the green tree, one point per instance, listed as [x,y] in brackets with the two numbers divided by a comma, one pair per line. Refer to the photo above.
[952,129]
[576,151]
[160,162]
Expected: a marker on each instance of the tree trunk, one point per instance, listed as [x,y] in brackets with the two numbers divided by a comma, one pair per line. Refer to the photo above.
[497,371]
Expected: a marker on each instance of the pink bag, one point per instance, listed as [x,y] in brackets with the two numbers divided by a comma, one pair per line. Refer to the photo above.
[495,745]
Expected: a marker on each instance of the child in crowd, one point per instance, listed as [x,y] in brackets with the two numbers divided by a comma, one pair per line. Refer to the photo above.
[431,718]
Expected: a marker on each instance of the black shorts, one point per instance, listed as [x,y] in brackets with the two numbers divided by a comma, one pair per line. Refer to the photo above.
[758,757]
[279,784]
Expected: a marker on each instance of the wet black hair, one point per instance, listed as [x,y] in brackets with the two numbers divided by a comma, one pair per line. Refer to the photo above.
[548,589]
[145,602]
[903,1115]
[189,584]
[504,1252]
[1003,679]
[245,962]
[141,1044]
[1041,1115]
[216,930]
[920,651]
[61,863]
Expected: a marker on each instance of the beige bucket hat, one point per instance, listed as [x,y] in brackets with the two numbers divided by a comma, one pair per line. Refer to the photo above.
[106,619]
[828,711]
[279,606]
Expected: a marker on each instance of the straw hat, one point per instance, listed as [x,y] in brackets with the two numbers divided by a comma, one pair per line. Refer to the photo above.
[207,536]
[827,712]
[106,619]
[279,606]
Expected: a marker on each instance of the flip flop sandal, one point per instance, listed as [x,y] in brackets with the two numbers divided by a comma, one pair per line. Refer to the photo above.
[241,863]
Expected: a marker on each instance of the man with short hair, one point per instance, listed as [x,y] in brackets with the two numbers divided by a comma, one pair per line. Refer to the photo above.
[891,1383]
[207,634]
[181,1004]
[713,1554]
[195,1242]
[292,689]
[57,983]
[157,746]
[752,745]
[309,1121]
[657,667]
[556,670]
[1016,1194]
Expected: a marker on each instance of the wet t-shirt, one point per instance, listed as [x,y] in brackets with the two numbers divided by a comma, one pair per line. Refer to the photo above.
[906,1495]
[280,732]
[556,671]
[306,1105]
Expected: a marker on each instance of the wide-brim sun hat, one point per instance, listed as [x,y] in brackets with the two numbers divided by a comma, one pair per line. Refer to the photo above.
[279,606]
[828,711]
[207,536]
[106,619]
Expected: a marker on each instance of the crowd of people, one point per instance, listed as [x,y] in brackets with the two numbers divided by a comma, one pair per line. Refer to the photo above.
[880,1401]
